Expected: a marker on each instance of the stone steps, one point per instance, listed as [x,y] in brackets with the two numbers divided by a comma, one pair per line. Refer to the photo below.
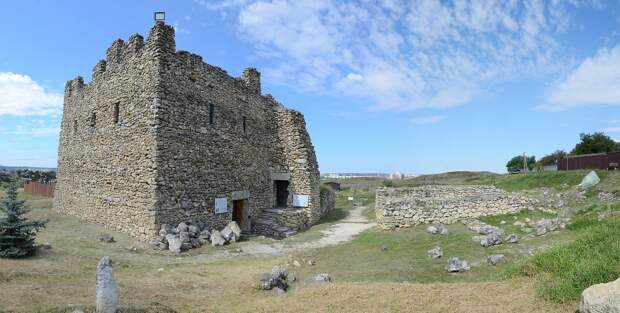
[267,223]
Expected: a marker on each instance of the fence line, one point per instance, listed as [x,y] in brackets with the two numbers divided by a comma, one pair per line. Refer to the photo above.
[39,189]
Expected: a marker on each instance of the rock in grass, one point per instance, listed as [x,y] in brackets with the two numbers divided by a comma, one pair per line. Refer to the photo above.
[107,293]
[490,240]
[601,298]
[322,278]
[46,245]
[435,252]
[512,238]
[280,272]
[106,238]
[266,281]
[455,265]
[437,229]
[496,259]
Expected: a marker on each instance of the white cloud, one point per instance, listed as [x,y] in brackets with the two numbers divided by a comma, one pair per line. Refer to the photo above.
[612,130]
[33,128]
[402,55]
[431,119]
[596,81]
[20,95]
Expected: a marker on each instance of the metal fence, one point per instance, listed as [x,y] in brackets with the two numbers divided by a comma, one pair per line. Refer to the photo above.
[39,189]
[601,161]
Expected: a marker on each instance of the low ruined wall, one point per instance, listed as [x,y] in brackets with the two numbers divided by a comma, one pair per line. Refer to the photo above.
[403,207]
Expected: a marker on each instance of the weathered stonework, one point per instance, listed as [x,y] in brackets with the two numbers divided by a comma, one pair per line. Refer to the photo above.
[158,135]
[403,207]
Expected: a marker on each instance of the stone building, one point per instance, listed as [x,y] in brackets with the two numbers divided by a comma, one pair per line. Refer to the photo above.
[159,136]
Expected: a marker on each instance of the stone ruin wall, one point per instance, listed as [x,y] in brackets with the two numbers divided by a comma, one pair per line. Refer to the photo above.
[164,161]
[106,169]
[404,207]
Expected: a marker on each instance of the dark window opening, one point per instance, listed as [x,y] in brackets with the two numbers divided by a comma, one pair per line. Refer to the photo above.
[244,125]
[116,112]
[281,193]
[93,119]
[75,126]
[211,112]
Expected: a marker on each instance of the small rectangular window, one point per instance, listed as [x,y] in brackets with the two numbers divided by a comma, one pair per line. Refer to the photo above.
[244,125]
[75,126]
[116,112]
[93,119]
[211,113]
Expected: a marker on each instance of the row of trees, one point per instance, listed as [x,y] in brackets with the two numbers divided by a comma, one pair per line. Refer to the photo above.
[589,143]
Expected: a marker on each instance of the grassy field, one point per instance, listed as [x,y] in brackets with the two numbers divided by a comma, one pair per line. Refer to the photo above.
[366,278]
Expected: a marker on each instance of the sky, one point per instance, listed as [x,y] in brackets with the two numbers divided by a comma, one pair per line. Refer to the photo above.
[411,86]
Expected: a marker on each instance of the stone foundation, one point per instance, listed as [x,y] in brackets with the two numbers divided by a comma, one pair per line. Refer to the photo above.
[404,207]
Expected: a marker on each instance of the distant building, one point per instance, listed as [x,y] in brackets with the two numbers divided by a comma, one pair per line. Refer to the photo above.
[397,176]
[603,161]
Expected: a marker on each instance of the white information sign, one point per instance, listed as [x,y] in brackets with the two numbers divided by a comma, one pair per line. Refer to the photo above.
[300,200]
[350,198]
[221,205]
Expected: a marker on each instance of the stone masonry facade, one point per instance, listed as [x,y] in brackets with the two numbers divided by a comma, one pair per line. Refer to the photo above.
[158,135]
[404,207]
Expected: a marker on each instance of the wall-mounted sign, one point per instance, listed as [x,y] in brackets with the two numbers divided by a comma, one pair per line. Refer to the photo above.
[350,198]
[300,200]
[221,205]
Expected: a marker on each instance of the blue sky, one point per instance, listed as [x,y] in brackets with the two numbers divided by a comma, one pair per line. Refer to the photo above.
[411,86]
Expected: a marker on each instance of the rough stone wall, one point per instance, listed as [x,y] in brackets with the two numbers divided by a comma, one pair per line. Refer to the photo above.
[300,160]
[403,207]
[106,169]
[187,133]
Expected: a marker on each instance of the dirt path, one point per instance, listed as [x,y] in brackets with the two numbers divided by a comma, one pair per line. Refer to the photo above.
[343,231]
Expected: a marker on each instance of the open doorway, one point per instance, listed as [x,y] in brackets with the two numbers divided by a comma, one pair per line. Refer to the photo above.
[240,214]
[280,190]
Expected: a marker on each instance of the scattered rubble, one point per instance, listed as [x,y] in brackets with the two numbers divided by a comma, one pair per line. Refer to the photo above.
[107,238]
[437,229]
[435,253]
[496,259]
[512,238]
[322,278]
[193,235]
[456,265]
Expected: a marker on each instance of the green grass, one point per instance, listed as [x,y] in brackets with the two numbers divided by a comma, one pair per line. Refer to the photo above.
[592,258]
[450,178]
[560,180]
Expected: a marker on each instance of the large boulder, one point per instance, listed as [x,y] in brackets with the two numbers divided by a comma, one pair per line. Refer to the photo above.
[174,243]
[589,180]
[217,239]
[182,227]
[107,293]
[456,265]
[230,234]
[601,298]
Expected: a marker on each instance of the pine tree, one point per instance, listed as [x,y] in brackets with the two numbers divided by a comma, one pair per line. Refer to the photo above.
[17,233]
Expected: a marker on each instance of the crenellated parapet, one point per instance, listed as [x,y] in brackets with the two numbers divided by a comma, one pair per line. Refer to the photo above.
[74,86]
[251,79]
[161,39]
